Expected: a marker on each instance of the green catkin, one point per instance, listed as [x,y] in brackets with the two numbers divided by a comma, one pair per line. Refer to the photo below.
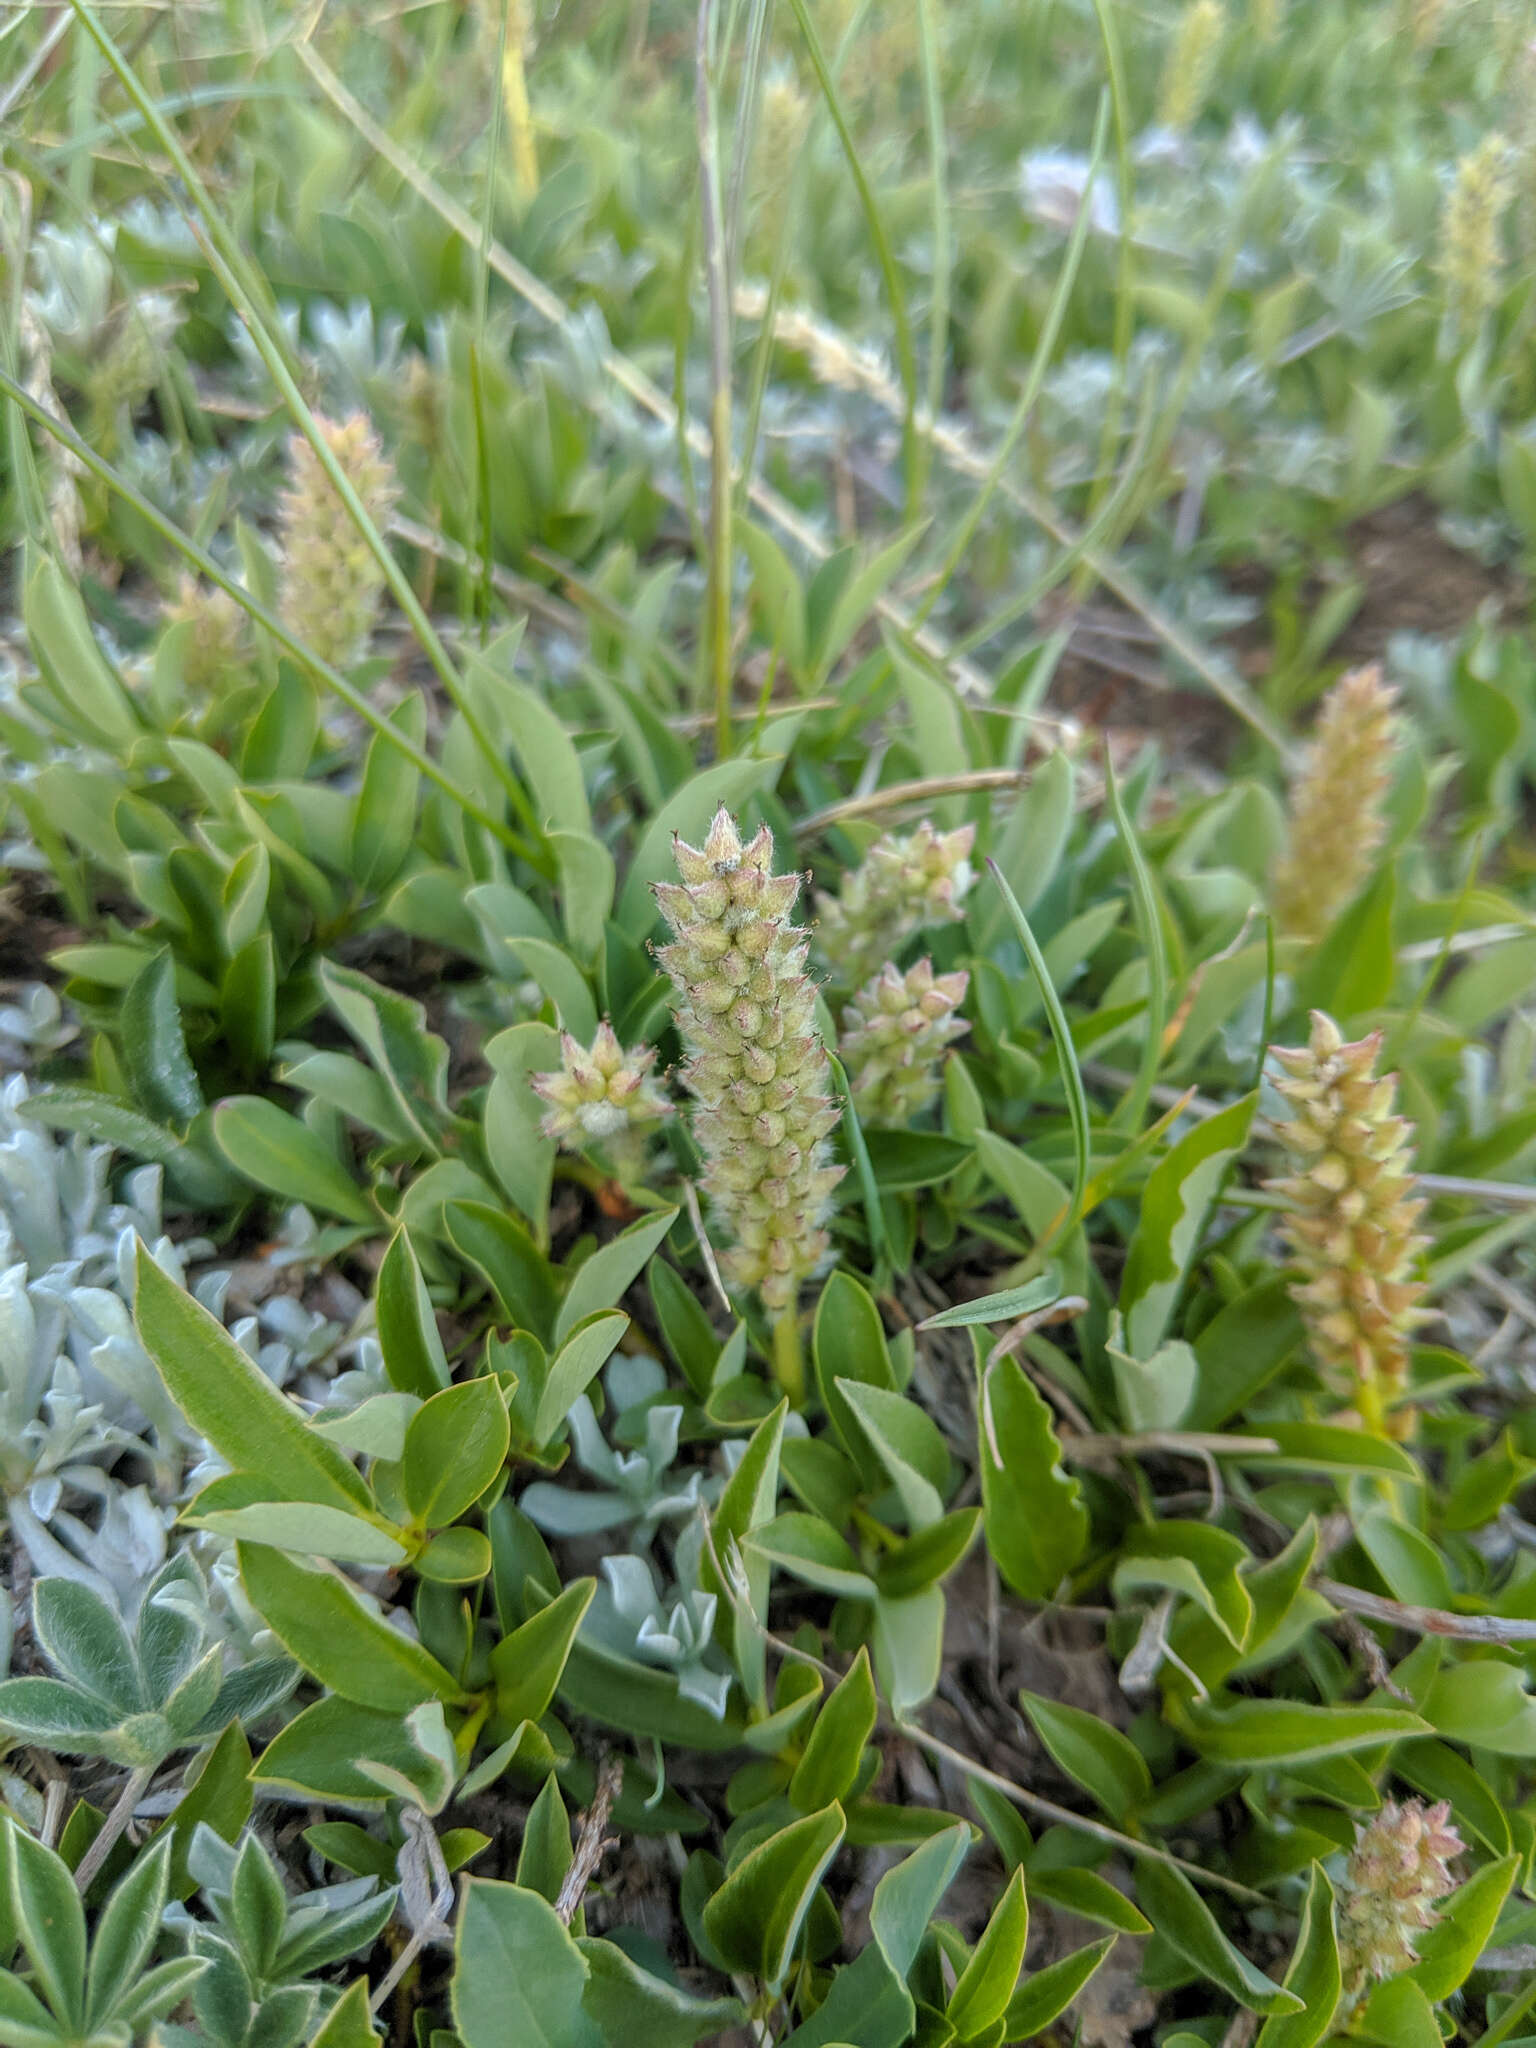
[782,121]
[1471,239]
[1337,818]
[1352,1219]
[216,641]
[894,1034]
[1398,1871]
[332,584]
[757,1069]
[1190,69]
[906,882]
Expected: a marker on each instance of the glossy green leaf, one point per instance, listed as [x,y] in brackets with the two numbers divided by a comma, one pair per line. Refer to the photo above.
[498,1246]
[755,1917]
[1036,1524]
[455,1447]
[232,1403]
[1195,1559]
[519,1978]
[408,1335]
[1045,1994]
[905,1440]
[1005,1307]
[324,1623]
[348,2024]
[587,1348]
[1187,1924]
[1171,1217]
[830,1760]
[746,1503]
[1449,1951]
[155,1057]
[1314,1974]
[1257,1732]
[274,1151]
[602,1280]
[529,1662]
[1107,1764]
[986,1984]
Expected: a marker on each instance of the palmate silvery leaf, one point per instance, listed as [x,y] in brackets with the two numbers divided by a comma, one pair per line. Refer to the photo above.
[133,1699]
[277,1941]
[117,1556]
[83,1638]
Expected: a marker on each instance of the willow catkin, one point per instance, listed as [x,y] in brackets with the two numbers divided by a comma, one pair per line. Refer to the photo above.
[904,883]
[1471,238]
[757,1069]
[1190,69]
[894,1033]
[1352,1219]
[332,584]
[1398,1871]
[1337,818]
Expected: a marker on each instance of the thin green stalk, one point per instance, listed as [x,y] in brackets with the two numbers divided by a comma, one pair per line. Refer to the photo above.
[135,1785]
[748,101]
[84,77]
[718,579]
[874,1214]
[207,566]
[480,510]
[943,240]
[1125,310]
[762,349]
[789,1357]
[230,268]
[906,358]
[1148,916]
[1045,348]
[1071,1075]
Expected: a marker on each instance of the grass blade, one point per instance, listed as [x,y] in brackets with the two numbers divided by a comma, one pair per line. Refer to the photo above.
[1071,1075]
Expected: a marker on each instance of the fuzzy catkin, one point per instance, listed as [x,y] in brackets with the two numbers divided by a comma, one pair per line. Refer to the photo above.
[1190,69]
[599,1091]
[905,882]
[1471,241]
[894,1034]
[1337,809]
[331,582]
[757,1069]
[1352,1217]
[217,638]
[1398,1870]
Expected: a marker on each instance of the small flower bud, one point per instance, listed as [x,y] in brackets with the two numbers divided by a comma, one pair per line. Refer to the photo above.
[1352,1217]
[894,1034]
[332,584]
[598,1092]
[1337,819]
